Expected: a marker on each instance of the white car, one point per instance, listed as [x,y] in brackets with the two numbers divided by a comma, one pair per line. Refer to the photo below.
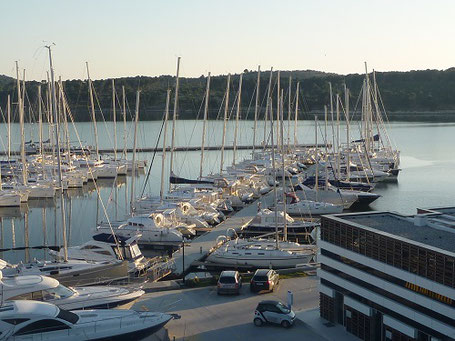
[273,312]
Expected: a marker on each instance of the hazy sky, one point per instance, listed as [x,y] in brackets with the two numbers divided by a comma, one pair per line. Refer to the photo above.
[139,37]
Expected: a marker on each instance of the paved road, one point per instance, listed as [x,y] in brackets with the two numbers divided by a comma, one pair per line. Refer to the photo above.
[207,316]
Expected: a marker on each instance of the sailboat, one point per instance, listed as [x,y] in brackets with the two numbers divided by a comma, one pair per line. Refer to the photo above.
[261,253]
[68,272]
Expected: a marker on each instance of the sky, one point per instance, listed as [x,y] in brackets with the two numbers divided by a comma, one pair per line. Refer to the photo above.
[144,37]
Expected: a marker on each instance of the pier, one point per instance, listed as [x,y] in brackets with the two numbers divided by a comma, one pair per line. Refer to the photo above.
[181,149]
[201,246]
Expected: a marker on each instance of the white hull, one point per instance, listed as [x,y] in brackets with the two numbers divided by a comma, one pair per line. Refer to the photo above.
[256,262]
[10,199]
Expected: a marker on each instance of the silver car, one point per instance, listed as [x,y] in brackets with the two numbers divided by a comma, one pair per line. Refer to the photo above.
[273,312]
[229,282]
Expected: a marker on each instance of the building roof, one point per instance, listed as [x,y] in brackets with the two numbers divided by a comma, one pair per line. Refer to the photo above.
[434,230]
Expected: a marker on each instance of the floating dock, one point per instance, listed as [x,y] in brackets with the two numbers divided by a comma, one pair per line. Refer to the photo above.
[180,149]
[201,246]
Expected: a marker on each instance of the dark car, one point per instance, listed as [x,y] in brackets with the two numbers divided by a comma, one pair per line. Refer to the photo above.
[229,282]
[264,279]
[273,312]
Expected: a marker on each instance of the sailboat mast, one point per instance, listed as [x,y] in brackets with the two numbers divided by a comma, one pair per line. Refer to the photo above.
[269,89]
[348,167]
[8,113]
[237,116]
[40,123]
[326,151]
[124,122]
[275,194]
[20,93]
[331,119]
[289,113]
[92,105]
[65,121]
[283,168]
[338,136]
[174,118]
[297,90]
[133,173]
[225,118]
[204,124]
[59,164]
[278,93]
[316,157]
[163,160]
[114,119]
[256,108]
[368,110]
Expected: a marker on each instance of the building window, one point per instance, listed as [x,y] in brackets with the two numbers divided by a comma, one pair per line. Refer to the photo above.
[327,307]
[357,323]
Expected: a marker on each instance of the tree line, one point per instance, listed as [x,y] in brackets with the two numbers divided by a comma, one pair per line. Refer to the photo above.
[404,94]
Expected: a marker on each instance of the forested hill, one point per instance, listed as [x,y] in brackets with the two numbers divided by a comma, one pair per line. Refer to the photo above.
[413,95]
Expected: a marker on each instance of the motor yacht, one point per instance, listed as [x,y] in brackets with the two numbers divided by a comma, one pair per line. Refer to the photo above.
[48,289]
[26,320]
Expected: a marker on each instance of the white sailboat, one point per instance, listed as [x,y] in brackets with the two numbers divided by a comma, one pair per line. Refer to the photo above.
[260,253]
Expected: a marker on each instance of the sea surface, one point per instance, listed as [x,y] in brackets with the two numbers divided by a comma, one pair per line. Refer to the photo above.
[426,180]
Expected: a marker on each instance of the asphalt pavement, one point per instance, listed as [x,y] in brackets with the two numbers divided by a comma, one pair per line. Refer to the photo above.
[207,316]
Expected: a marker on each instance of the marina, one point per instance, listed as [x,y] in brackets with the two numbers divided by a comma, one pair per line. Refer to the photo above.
[215,196]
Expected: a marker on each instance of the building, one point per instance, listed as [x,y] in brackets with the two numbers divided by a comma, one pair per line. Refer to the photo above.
[385,276]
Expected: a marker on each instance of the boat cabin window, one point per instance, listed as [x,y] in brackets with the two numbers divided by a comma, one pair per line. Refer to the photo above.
[36,295]
[55,268]
[41,326]
[135,251]
[15,321]
[68,316]
[103,252]
[136,224]
[57,293]
[90,247]
[126,252]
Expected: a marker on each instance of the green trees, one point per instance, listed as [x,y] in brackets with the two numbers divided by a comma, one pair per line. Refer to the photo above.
[414,91]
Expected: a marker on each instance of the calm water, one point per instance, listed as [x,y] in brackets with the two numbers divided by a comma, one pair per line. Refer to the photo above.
[427,161]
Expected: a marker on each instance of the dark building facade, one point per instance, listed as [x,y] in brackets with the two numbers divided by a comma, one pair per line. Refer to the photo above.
[385,276]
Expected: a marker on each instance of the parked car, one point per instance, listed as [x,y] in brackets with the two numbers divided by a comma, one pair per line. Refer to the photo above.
[273,312]
[264,279]
[229,282]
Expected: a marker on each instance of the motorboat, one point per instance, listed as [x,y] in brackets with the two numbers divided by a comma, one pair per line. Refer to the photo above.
[26,320]
[266,222]
[9,198]
[297,207]
[48,289]
[151,234]
[329,195]
[108,247]
[72,272]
